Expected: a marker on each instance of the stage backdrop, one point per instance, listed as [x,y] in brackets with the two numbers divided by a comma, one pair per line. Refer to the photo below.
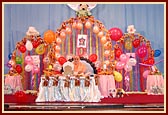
[148,20]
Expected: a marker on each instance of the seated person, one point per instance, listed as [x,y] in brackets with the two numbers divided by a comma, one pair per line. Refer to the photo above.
[79,67]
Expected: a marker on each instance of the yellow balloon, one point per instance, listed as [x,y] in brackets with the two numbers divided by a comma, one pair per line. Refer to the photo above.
[117,76]
[50,66]
[40,49]
[128,44]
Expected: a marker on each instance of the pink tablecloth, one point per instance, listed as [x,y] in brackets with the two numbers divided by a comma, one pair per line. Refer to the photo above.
[14,82]
[154,82]
[106,83]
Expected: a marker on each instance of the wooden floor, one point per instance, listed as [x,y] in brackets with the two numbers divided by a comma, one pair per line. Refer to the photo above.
[82,107]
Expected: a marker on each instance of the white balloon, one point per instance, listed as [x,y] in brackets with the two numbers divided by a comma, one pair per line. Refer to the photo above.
[132,62]
[28,68]
[97,64]
[29,45]
[57,66]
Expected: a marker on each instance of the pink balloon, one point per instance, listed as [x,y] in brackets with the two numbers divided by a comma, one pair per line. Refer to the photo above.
[28,60]
[142,51]
[127,68]
[74,25]
[79,25]
[100,34]
[95,29]
[120,65]
[123,58]
[62,35]
[68,30]
[146,73]
[36,69]
[88,25]
[115,34]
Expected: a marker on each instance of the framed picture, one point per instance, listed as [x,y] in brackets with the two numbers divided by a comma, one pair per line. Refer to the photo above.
[82,41]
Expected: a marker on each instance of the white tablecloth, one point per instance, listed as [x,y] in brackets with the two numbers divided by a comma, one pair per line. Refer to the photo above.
[80,93]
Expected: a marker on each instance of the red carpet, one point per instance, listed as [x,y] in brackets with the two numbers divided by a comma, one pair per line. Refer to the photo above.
[127,99]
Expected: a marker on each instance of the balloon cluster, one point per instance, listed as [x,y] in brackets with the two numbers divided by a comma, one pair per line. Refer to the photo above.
[78,23]
[32,65]
[125,62]
[136,41]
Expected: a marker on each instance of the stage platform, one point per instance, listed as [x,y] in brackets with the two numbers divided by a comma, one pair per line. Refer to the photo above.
[82,107]
[130,102]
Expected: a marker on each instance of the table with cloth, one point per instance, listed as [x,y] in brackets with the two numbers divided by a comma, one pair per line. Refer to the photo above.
[68,92]
[106,83]
[155,84]
[14,82]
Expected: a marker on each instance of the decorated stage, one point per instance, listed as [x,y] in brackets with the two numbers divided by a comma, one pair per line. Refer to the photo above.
[81,66]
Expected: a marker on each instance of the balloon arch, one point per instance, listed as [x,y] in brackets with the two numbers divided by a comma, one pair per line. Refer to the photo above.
[88,38]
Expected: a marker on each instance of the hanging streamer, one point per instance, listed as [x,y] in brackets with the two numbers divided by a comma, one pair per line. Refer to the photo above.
[102,53]
[121,71]
[23,73]
[74,41]
[131,76]
[141,77]
[136,78]
[69,44]
[90,41]
[77,32]
[97,45]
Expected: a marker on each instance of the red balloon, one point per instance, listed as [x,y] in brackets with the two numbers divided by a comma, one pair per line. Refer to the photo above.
[22,48]
[151,61]
[93,57]
[118,52]
[61,60]
[142,51]
[57,72]
[136,43]
[18,68]
[35,43]
[98,70]
[115,34]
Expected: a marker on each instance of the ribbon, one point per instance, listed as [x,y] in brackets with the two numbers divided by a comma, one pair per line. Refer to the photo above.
[152,64]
